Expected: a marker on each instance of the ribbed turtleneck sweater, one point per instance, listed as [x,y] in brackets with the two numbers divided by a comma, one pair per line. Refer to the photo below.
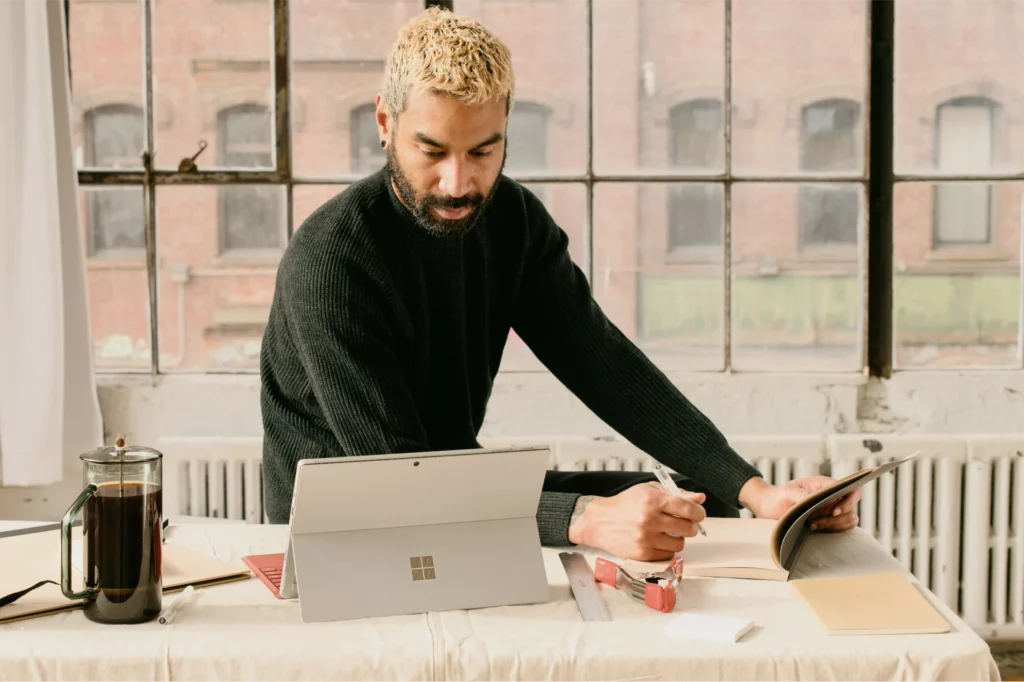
[384,338]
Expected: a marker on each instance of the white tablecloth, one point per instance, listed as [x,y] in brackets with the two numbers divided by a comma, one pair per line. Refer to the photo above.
[240,631]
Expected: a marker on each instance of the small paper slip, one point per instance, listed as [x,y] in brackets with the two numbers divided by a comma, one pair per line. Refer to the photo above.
[709,627]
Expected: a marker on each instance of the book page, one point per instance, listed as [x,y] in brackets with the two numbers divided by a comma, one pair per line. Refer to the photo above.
[731,543]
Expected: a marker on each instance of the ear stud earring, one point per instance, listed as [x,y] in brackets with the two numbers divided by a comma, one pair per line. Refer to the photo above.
[382,144]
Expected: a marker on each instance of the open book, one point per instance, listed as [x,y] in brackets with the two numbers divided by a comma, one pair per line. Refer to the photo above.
[763,549]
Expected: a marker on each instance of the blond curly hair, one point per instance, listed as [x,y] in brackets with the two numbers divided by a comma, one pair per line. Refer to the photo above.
[451,54]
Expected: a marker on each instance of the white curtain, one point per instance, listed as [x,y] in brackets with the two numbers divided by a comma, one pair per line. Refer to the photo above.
[48,405]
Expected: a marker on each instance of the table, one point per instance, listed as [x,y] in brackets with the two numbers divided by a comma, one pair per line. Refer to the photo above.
[240,631]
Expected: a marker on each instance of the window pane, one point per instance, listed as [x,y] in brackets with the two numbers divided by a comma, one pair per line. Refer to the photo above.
[956,297]
[118,291]
[213,305]
[308,198]
[797,301]
[208,57]
[665,295]
[527,146]
[799,82]
[114,136]
[251,218]
[641,77]
[338,50]
[982,130]
[567,205]
[535,32]
[105,43]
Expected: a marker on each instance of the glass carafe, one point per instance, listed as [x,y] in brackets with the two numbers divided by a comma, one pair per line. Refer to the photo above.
[121,506]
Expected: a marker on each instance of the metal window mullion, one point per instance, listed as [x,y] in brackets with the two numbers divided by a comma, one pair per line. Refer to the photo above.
[880,191]
[149,188]
[588,228]
[283,111]
[727,197]
[282,99]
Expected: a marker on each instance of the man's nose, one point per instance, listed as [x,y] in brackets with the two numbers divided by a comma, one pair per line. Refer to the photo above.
[456,179]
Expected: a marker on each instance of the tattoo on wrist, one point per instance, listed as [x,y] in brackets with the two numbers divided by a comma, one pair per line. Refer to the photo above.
[581,505]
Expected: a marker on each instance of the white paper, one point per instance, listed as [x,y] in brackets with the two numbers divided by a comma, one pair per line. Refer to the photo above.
[709,627]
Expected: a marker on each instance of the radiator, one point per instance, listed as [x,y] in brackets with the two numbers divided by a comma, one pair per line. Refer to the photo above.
[954,518]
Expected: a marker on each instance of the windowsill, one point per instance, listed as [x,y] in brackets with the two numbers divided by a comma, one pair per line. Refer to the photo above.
[113,261]
[960,253]
[259,257]
[687,255]
[829,254]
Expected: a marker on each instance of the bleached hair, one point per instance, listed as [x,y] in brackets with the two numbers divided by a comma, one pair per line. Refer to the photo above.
[450,54]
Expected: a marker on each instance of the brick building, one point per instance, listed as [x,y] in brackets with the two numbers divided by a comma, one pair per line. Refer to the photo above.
[799,106]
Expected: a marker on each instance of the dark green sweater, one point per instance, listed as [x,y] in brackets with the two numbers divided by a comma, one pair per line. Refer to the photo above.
[385,339]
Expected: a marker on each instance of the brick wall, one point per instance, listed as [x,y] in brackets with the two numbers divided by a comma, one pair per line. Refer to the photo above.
[649,56]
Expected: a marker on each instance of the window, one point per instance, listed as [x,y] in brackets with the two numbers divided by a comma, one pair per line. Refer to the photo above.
[697,145]
[829,143]
[526,147]
[367,154]
[114,139]
[965,131]
[250,216]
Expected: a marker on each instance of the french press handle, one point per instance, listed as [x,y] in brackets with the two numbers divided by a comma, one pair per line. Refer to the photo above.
[65,545]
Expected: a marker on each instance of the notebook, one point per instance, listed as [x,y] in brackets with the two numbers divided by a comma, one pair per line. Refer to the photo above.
[39,560]
[762,549]
[879,604]
[267,567]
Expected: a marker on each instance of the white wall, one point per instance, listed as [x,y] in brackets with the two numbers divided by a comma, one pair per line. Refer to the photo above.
[535,405]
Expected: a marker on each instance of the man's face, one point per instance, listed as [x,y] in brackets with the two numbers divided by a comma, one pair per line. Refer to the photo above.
[445,158]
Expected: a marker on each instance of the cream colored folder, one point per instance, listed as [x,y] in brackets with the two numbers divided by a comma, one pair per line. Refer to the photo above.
[879,604]
[30,558]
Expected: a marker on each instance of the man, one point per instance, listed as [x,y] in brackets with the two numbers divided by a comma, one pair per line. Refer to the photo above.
[395,299]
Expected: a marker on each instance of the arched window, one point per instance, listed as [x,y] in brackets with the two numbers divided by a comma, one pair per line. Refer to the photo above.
[114,139]
[965,130]
[250,216]
[829,142]
[526,148]
[697,144]
[366,153]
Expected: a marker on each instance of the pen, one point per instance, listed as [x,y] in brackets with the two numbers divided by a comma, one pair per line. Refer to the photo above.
[171,611]
[673,489]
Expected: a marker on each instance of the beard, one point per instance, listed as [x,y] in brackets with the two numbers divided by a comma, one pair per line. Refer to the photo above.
[422,205]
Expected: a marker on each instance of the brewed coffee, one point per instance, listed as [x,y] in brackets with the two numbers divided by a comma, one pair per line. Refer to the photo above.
[121,537]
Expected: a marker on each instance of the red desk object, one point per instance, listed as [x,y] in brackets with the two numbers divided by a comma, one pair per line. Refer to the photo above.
[267,568]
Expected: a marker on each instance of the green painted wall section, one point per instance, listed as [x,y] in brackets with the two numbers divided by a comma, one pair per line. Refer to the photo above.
[794,308]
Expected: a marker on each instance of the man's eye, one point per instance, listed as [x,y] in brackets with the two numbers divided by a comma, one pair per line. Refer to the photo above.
[480,152]
[433,154]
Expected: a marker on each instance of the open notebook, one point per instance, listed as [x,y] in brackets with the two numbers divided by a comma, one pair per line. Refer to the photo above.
[762,549]
[38,559]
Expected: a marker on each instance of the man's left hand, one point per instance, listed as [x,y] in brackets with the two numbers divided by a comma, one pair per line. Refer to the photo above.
[772,501]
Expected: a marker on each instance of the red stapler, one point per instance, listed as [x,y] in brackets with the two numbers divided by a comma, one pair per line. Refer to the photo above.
[657,590]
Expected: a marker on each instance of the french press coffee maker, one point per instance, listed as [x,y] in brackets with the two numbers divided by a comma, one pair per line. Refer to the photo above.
[121,508]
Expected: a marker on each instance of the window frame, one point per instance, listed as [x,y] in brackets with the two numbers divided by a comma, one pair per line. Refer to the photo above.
[877,174]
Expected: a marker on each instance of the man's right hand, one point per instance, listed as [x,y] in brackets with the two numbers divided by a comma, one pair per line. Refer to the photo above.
[638,523]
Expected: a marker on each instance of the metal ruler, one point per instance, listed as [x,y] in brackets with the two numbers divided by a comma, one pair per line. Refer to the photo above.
[584,588]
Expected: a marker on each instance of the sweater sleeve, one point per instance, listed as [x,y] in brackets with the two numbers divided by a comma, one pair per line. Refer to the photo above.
[563,325]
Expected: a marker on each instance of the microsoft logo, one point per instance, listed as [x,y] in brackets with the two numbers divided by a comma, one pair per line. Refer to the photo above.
[422,567]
